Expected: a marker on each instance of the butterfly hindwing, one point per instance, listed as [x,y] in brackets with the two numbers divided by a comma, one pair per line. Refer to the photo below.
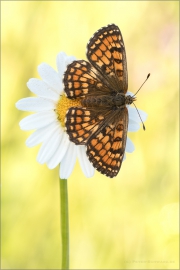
[82,123]
[81,79]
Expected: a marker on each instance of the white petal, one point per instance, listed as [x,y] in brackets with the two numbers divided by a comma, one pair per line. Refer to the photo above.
[133,115]
[49,146]
[143,115]
[38,120]
[40,135]
[86,166]
[129,93]
[133,126]
[68,162]
[35,104]
[129,146]
[41,89]
[60,152]
[51,77]
[60,62]
[124,156]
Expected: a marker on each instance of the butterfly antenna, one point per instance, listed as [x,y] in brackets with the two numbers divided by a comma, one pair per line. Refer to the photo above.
[135,105]
[139,116]
[142,84]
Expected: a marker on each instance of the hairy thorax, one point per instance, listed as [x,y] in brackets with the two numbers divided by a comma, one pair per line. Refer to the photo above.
[118,100]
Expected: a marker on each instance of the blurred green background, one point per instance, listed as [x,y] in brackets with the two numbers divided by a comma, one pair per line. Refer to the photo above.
[130,222]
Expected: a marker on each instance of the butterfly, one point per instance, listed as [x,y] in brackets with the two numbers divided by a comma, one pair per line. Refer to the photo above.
[101,122]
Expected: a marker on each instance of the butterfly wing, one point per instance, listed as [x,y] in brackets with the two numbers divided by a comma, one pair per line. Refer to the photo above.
[106,147]
[82,79]
[106,52]
[103,134]
[108,69]
[82,123]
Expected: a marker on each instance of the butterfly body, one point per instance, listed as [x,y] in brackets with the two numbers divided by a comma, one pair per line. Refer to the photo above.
[101,122]
[113,101]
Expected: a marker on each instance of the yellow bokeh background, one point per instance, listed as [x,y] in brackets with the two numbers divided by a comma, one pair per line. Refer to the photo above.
[131,221]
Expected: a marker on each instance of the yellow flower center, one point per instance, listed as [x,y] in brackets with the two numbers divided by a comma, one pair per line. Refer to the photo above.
[63,106]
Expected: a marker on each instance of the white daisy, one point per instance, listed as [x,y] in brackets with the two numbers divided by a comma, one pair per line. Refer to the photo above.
[51,106]
[48,121]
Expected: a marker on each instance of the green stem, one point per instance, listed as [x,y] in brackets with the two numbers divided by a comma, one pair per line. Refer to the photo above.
[64,223]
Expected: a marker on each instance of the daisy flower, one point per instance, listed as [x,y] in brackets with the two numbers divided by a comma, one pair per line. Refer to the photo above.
[50,107]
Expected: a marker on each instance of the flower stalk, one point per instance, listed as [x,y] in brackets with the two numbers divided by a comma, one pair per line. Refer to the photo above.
[64,223]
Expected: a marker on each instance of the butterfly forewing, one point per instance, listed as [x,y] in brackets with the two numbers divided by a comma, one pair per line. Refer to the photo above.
[106,52]
[106,149]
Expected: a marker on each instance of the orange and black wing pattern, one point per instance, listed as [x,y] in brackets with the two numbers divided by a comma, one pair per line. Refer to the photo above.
[106,52]
[83,123]
[82,79]
[103,134]
[106,147]
[100,125]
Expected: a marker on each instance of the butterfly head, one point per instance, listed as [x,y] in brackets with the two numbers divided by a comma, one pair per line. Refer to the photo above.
[129,100]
